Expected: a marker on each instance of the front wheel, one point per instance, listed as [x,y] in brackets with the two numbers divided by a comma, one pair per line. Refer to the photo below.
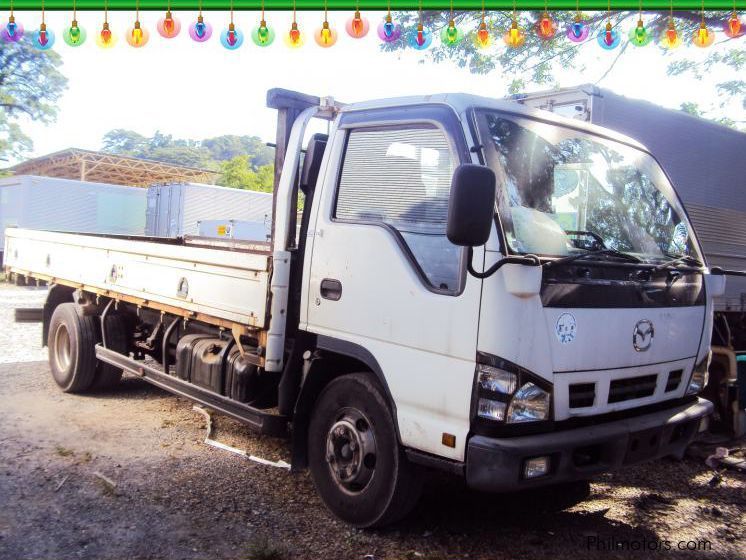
[357,465]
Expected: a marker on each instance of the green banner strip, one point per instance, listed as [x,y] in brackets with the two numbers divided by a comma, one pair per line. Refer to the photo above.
[349,5]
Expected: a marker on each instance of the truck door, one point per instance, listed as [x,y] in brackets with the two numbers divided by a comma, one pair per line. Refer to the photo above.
[384,281]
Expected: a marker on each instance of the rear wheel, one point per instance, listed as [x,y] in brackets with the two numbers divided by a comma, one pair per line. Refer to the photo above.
[357,465]
[71,342]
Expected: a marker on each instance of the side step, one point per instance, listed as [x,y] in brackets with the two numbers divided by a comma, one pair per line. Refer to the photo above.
[259,420]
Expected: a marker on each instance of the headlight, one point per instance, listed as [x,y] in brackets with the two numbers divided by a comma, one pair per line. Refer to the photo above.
[529,404]
[509,394]
[492,410]
[699,377]
[497,380]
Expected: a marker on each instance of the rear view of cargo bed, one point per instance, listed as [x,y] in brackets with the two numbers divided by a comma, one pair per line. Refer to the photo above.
[224,283]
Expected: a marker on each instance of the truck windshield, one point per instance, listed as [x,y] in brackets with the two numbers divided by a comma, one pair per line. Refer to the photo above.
[564,192]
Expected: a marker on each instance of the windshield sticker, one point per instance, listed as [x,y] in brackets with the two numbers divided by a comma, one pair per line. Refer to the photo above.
[566,328]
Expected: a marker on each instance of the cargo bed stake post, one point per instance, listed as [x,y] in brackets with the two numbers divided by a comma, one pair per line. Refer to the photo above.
[279,286]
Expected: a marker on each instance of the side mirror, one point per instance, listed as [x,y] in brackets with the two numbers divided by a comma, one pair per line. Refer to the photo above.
[471,206]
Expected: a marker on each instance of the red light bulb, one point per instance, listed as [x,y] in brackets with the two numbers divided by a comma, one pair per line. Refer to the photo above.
[294,33]
[357,24]
[420,35]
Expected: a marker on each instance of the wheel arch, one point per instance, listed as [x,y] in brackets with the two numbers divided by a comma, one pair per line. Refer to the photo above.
[57,294]
[333,358]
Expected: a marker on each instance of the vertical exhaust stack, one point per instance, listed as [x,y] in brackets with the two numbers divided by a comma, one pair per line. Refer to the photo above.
[294,111]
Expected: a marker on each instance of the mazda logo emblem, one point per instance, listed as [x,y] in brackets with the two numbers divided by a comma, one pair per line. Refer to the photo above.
[642,336]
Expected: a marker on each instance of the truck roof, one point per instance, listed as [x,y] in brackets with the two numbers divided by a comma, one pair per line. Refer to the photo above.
[460,102]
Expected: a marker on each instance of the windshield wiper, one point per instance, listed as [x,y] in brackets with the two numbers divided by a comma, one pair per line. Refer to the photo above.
[679,259]
[591,254]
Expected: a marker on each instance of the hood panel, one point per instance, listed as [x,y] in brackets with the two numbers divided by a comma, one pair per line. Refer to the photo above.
[592,339]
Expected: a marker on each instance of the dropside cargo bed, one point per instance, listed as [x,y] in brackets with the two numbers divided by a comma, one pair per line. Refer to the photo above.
[224,282]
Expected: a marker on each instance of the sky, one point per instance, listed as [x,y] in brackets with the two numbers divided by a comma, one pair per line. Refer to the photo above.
[201,90]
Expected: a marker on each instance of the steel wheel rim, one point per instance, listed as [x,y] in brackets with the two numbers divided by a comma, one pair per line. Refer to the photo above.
[62,348]
[351,451]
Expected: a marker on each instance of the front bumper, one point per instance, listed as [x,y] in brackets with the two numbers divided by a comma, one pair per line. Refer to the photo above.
[496,464]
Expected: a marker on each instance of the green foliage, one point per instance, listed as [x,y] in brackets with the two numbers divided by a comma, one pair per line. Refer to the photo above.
[244,162]
[539,62]
[239,173]
[30,86]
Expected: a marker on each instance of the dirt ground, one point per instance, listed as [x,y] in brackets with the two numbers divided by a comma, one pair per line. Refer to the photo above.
[126,474]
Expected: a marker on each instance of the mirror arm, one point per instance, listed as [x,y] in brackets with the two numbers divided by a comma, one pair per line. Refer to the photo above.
[528,260]
[716,270]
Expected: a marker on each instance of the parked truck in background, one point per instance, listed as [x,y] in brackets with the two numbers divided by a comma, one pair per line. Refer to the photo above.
[447,301]
[706,163]
[56,204]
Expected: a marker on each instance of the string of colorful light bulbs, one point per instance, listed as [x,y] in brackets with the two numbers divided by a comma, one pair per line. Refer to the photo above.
[357,26]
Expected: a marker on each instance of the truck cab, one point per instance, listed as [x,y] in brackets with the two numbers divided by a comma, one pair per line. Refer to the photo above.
[503,294]
[572,340]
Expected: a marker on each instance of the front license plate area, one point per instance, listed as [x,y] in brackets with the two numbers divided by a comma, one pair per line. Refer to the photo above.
[643,445]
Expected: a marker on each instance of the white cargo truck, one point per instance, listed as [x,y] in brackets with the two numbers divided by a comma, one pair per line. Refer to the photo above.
[56,204]
[452,301]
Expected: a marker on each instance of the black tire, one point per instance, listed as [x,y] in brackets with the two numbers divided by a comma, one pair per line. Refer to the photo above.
[117,338]
[71,342]
[370,491]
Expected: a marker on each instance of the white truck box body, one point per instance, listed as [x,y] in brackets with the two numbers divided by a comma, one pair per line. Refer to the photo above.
[175,210]
[226,284]
[55,204]
[705,161]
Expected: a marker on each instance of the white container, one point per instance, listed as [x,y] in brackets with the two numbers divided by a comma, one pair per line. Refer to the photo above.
[53,204]
[235,229]
[175,210]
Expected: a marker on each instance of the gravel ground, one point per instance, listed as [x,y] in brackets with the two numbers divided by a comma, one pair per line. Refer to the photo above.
[126,475]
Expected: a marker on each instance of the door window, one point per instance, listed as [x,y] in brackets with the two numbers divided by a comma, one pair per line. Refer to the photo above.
[400,177]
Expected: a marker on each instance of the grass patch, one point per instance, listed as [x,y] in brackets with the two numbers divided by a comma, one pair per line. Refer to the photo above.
[264,549]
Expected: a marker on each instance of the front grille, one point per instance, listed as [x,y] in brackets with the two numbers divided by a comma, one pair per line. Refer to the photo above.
[674,380]
[582,395]
[632,388]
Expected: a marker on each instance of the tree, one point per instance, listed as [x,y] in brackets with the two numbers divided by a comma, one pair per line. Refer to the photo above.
[539,62]
[229,146]
[124,142]
[244,162]
[30,86]
[239,173]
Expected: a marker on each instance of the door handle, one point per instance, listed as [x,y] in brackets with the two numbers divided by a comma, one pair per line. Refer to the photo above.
[331,289]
